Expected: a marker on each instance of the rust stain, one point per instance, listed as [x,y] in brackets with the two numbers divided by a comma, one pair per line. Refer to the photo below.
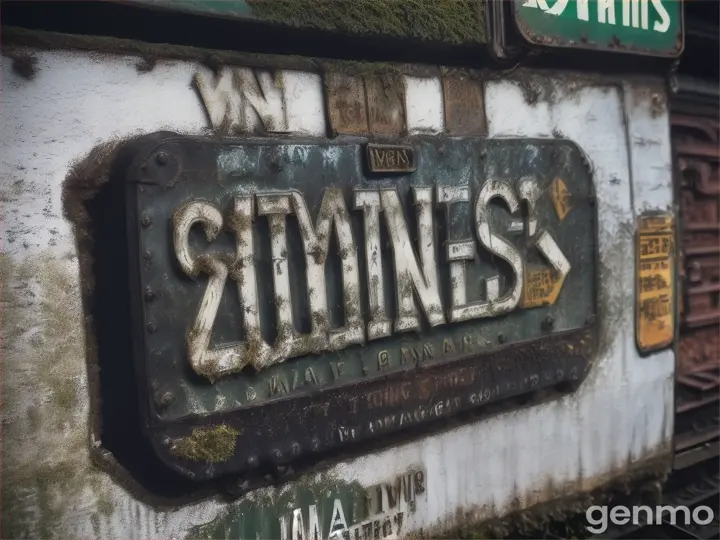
[542,286]
[561,198]
[464,105]
[695,138]
[346,104]
[385,94]
[655,284]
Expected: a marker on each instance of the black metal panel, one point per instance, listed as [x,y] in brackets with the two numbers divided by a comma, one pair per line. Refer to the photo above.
[333,399]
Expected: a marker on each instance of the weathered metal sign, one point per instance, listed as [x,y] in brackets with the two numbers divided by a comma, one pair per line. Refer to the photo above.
[655,311]
[328,510]
[650,27]
[289,305]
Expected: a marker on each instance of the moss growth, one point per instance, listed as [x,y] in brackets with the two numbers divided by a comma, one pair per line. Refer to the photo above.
[215,444]
[42,383]
[452,21]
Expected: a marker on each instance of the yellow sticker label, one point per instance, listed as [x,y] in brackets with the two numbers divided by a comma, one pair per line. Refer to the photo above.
[562,200]
[655,284]
[542,286]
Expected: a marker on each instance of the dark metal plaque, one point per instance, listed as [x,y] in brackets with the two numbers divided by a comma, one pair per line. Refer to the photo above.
[287,305]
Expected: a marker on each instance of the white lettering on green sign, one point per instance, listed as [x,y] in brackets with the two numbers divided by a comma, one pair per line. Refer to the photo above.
[633,13]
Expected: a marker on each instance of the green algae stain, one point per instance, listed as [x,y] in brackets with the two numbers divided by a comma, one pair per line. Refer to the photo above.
[214,445]
[259,514]
[451,21]
[46,469]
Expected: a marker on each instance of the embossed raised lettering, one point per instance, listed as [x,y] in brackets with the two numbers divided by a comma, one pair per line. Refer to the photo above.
[215,362]
[379,325]
[409,279]
[498,246]
[414,265]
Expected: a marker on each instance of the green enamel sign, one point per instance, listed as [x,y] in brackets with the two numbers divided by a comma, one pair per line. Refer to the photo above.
[649,27]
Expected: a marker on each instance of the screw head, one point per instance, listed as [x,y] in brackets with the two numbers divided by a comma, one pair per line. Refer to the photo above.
[166,399]
[549,322]
[147,255]
[146,221]
[161,158]
[151,327]
[241,484]
[149,294]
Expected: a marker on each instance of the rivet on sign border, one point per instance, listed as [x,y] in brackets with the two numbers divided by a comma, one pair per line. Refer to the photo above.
[241,484]
[151,327]
[147,255]
[548,322]
[161,158]
[166,441]
[149,294]
[146,221]
[165,399]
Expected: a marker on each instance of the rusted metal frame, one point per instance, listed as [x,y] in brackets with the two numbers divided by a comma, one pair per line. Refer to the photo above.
[693,456]
[690,405]
[684,147]
[683,443]
[686,120]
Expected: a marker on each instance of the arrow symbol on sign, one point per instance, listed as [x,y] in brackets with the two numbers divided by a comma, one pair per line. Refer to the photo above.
[541,285]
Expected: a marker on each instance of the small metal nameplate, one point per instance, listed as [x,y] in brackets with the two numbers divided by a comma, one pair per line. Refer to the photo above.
[395,158]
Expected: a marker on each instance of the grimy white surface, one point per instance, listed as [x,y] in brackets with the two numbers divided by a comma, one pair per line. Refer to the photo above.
[622,414]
